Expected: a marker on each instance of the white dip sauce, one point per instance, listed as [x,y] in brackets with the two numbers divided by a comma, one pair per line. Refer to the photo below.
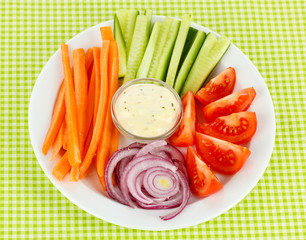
[147,110]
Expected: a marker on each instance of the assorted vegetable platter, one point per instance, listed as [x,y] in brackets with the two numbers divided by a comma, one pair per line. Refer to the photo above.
[93,191]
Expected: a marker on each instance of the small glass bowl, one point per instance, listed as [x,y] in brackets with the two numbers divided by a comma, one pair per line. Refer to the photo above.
[142,139]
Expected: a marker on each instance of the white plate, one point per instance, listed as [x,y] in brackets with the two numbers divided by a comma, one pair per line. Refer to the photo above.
[87,193]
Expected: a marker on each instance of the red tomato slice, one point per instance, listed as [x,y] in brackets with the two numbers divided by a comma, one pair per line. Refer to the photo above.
[218,87]
[184,136]
[203,182]
[235,128]
[235,102]
[221,156]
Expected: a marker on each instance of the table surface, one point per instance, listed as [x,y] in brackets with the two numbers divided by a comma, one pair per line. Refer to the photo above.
[272,34]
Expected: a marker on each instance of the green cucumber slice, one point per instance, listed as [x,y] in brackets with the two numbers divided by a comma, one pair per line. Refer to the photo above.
[209,56]
[138,46]
[147,57]
[167,50]
[165,28]
[189,60]
[127,20]
[121,47]
[189,41]
[178,49]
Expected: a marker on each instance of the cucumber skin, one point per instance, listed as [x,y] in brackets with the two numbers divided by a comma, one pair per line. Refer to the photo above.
[189,61]
[121,47]
[189,41]
[204,64]
[138,46]
[167,51]
[166,24]
[147,57]
[178,49]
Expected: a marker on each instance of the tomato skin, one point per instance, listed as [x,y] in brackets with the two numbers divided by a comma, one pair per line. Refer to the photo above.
[223,157]
[233,103]
[203,182]
[235,128]
[184,135]
[218,87]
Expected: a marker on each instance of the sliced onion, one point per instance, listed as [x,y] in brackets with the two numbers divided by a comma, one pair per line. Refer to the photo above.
[151,176]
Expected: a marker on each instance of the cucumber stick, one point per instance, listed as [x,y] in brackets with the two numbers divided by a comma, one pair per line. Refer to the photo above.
[189,60]
[165,28]
[127,20]
[178,49]
[189,41]
[167,49]
[138,45]
[147,57]
[209,56]
[121,47]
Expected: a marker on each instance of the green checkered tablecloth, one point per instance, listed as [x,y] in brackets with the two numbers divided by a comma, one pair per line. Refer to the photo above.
[271,33]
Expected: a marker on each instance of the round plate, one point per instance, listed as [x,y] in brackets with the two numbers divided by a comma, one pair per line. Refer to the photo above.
[88,194]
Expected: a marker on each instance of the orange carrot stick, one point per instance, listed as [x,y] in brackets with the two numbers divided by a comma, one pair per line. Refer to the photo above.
[115,140]
[65,133]
[90,102]
[105,145]
[58,142]
[62,167]
[74,155]
[81,85]
[107,33]
[99,124]
[56,121]
[96,53]
[88,58]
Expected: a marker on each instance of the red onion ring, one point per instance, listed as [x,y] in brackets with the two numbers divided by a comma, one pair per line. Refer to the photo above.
[151,176]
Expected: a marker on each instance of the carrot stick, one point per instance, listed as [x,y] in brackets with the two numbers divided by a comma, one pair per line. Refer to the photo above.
[90,102]
[65,133]
[105,145]
[62,167]
[74,155]
[88,58]
[88,139]
[99,123]
[107,33]
[81,85]
[96,53]
[115,140]
[58,142]
[56,121]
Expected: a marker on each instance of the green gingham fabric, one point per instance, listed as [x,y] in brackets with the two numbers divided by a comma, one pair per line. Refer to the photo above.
[271,33]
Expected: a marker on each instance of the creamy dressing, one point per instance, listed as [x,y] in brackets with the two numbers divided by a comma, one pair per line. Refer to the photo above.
[147,110]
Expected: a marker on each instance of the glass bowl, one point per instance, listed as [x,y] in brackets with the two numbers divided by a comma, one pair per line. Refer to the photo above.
[145,139]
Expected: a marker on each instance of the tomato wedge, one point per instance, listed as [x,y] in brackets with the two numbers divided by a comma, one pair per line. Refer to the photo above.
[221,156]
[235,102]
[235,128]
[203,181]
[218,87]
[184,136]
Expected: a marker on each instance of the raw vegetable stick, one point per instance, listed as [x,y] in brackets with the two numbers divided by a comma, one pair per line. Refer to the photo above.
[74,155]
[99,124]
[81,91]
[90,102]
[89,58]
[58,142]
[115,140]
[56,121]
[97,72]
[105,145]
[65,133]
[107,33]
[62,167]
